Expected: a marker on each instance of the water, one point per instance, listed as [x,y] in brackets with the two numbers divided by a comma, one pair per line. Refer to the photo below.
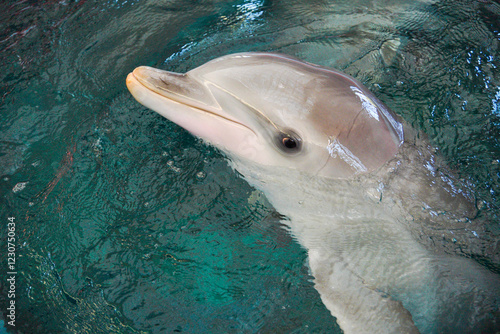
[125,223]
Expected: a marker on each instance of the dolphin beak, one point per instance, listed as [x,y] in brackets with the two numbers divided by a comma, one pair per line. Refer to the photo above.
[188,103]
[177,87]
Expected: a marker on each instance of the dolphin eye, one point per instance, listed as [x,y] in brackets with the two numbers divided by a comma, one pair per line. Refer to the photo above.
[289,142]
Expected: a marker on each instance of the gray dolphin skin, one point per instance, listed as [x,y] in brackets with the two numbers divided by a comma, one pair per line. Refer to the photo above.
[360,191]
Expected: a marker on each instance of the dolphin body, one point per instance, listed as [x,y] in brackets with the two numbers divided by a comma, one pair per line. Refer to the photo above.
[358,190]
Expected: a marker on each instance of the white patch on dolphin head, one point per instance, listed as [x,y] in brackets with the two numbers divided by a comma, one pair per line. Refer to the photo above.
[337,149]
[366,102]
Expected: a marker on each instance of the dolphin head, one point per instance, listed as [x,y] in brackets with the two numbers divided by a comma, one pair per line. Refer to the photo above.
[275,110]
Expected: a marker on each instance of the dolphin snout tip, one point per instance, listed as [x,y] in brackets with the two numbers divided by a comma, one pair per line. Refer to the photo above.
[131,79]
[138,73]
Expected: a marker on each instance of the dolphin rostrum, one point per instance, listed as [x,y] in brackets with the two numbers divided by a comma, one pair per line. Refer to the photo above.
[360,193]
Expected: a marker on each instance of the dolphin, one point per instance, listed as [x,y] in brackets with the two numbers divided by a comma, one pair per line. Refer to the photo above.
[358,189]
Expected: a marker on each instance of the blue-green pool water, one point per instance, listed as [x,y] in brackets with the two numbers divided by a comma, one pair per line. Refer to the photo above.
[125,223]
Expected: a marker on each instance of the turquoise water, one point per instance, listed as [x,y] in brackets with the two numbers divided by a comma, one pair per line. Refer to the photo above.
[125,223]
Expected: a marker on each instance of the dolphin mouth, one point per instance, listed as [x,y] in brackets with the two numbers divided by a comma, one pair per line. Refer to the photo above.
[178,88]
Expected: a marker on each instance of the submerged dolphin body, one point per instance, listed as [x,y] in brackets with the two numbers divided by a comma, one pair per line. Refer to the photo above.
[357,194]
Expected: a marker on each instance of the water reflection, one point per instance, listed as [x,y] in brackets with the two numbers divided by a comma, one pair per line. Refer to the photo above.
[495,103]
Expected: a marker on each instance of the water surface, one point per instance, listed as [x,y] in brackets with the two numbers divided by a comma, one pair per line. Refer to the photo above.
[125,223]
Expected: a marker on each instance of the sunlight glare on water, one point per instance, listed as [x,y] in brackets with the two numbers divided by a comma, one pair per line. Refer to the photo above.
[128,224]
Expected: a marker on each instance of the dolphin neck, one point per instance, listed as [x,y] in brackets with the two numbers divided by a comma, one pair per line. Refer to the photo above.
[295,193]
